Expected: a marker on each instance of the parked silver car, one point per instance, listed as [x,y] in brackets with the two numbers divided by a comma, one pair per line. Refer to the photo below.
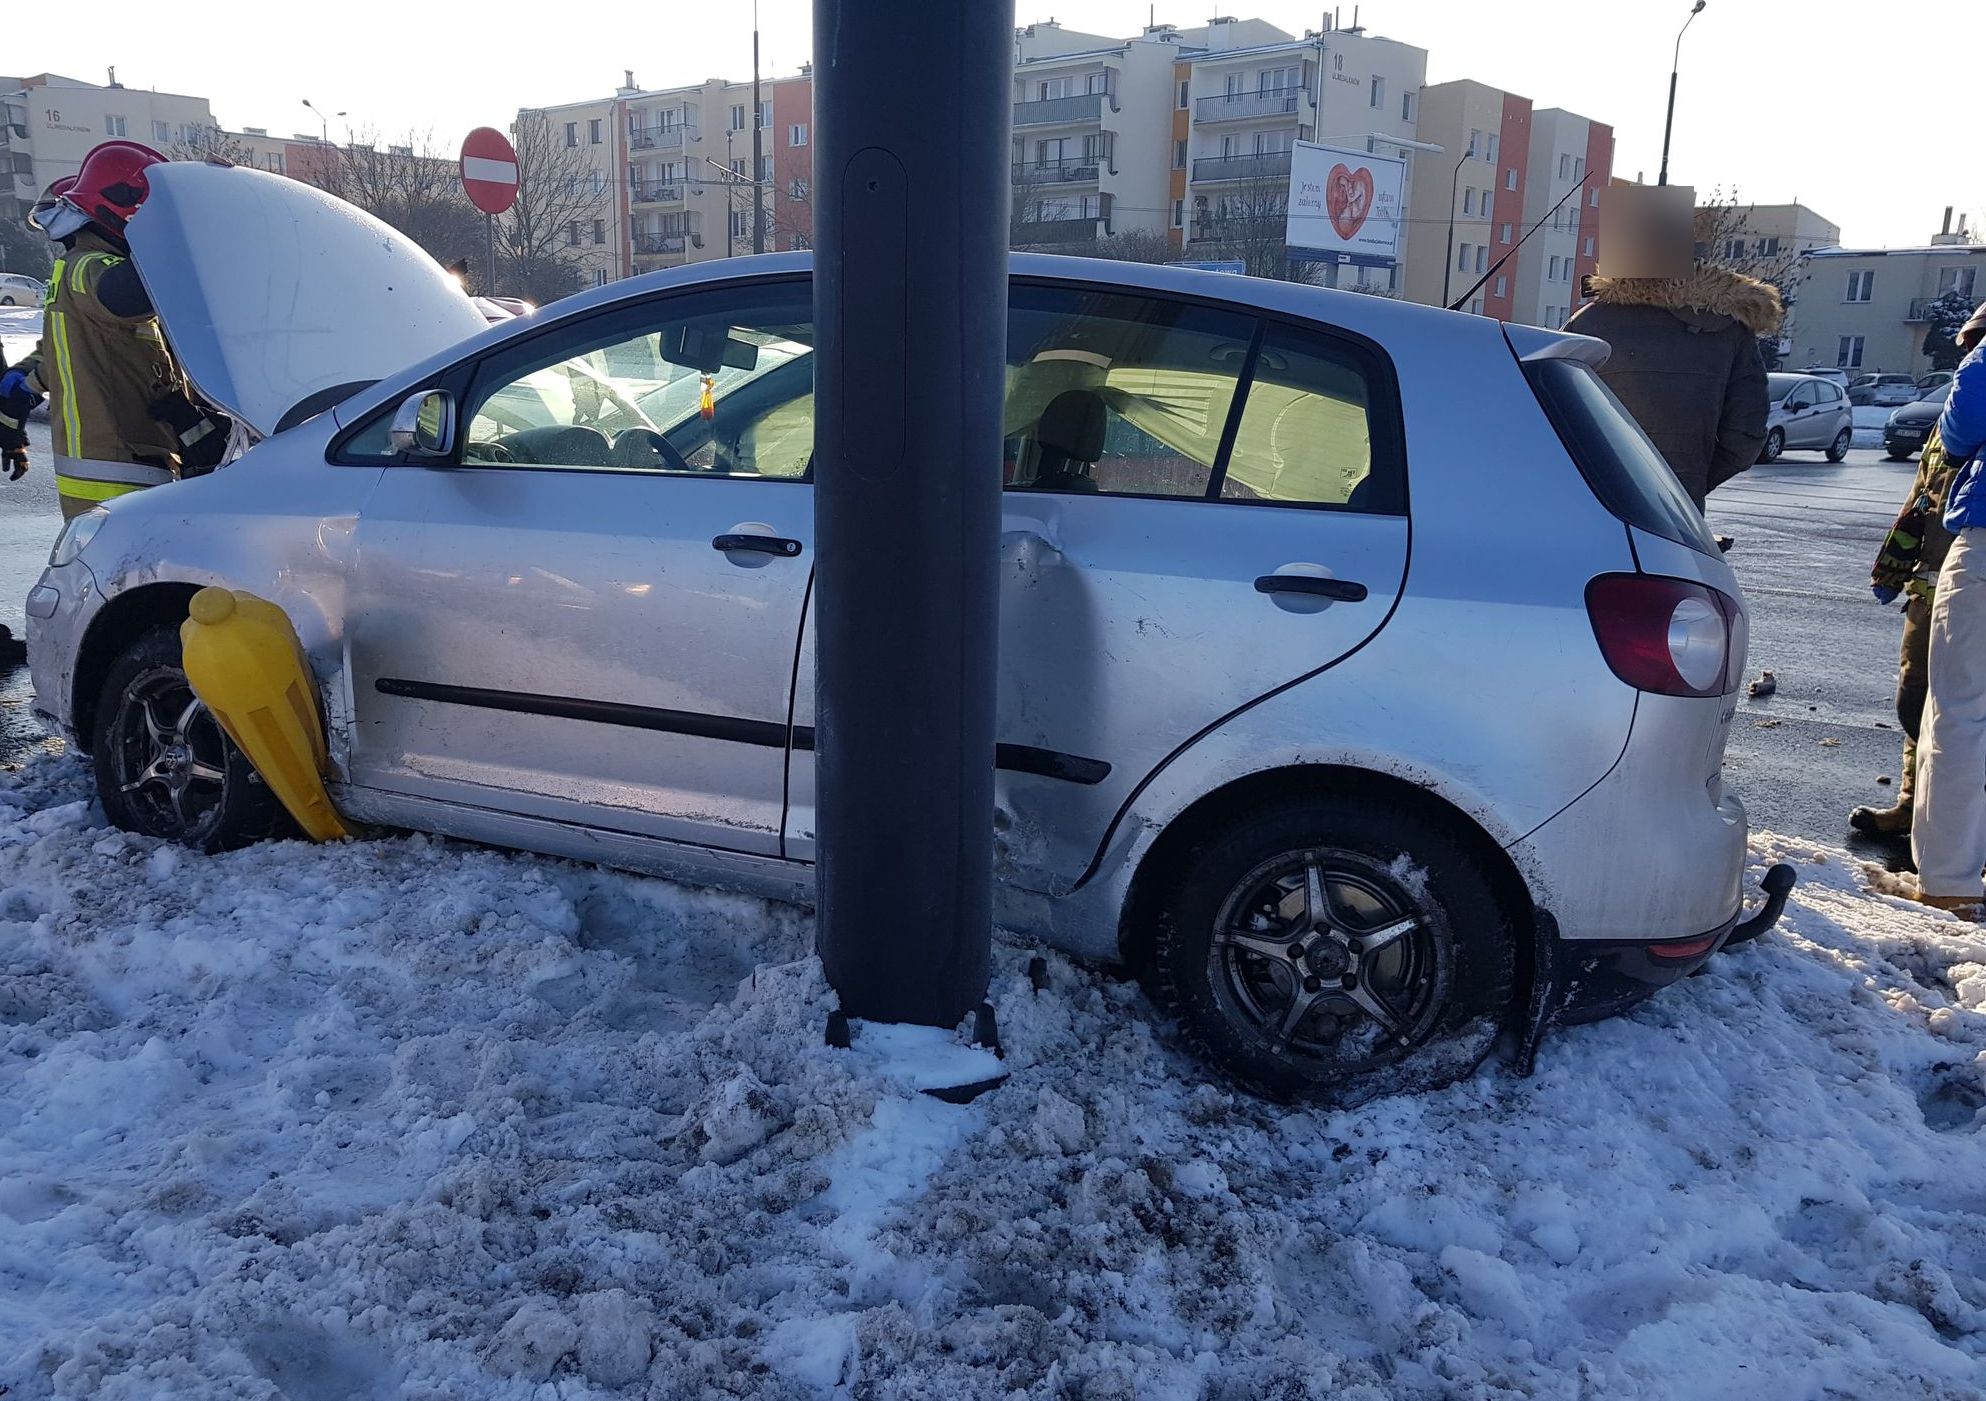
[18,289]
[1365,672]
[1807,412]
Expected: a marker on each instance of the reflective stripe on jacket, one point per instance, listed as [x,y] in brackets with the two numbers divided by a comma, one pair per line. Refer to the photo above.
[89,480]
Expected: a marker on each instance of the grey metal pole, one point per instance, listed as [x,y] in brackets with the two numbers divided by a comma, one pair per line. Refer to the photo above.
[1675,62]
[489,235]
[910,305]
[758,152]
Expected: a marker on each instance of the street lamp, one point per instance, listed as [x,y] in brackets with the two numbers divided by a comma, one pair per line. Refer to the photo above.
[322,122]
[1675,61]
[1448,265]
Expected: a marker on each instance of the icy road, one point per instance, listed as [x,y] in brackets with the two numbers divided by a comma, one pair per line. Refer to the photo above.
[408,1119]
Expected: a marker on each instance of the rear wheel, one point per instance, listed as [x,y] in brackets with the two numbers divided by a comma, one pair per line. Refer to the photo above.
[163,766]
[1838,449]
[1775,443]
[1335,948]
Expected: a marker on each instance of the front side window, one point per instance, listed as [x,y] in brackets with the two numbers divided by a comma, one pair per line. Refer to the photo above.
[717,385]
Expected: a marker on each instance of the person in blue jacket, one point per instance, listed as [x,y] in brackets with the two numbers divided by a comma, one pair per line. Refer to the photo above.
[1948,835]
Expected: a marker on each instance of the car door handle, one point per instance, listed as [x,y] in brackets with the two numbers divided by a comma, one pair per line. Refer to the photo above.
[1338,590]
[777,545]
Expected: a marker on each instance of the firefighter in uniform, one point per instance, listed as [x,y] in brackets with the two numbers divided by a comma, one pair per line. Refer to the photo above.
[119,413]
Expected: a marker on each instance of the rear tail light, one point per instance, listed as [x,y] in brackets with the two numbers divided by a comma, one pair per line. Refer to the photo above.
[1673,637]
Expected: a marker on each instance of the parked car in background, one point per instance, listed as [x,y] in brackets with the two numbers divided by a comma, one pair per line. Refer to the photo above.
[18,289]
[1807,411]
[553,583]
[1826,372]
[1910,425]
[1926,383]
[1882,391]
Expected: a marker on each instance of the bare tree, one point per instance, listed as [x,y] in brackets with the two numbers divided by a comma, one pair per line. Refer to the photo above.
[1725,239]
[559,195]
[1247,222]
[408,184]
[1137,246]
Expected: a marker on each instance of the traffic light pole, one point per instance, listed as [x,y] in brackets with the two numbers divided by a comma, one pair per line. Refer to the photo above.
[910,311]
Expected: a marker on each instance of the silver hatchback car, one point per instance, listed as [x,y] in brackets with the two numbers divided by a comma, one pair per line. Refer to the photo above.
[1365,674]
[1807,411]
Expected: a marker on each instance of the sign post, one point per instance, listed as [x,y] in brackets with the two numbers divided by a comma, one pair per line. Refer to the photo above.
[910,311]
[489,178]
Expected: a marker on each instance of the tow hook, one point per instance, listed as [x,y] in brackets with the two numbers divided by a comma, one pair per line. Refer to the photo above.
[1777,884]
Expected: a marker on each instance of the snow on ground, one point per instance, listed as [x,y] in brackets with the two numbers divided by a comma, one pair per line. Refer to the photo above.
[405,1118]
[1869,423]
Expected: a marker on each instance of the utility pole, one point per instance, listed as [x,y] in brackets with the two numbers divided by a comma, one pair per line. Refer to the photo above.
[1675,62]
[758,148]
[910,312]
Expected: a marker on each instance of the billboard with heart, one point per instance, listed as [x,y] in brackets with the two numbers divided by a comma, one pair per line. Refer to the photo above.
[1346,201]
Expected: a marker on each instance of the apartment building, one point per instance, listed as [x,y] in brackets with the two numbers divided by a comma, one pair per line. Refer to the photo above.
[1769,234]
[48,123]
[1465,223]
[1091,131]
[1864,309]
[1566,153]
[1247,92]
[674,167]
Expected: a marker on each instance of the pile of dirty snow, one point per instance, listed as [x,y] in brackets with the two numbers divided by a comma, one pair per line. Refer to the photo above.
[408,1119]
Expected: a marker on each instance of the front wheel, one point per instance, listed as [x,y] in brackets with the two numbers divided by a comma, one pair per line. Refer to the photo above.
[1838,449]
[163,766]
[1334,948]
[1775,443]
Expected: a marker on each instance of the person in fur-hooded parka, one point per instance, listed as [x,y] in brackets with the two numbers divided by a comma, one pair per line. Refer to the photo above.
[1685,362]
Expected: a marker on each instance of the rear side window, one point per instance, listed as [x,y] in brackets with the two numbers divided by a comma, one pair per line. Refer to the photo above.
[1623,468]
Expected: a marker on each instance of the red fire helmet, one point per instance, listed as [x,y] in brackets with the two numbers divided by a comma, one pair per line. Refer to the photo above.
[112,184]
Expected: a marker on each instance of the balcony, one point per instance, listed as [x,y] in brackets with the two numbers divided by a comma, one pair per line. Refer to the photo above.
[1250,106]
[657,192]
[1060,111]
[658,138]
[1081,171]
[1264,165]
[1059,233]
[661,243]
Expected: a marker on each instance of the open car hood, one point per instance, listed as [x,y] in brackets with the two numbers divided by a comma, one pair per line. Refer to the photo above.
[272,291]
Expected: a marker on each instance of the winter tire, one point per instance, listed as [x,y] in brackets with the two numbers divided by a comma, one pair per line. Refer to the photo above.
[1775,443]
[1837,450]
[163,766]
[1335,948]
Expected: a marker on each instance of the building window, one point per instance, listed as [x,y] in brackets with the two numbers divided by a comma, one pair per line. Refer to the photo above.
[599,232]
[740,224]
[1179,214]
[1564,166]
[1179,154]
[1502,285]
[765,169]
[796,135]
[1589,245]
[1378,91]
[1482,258]
[1957,280]
[1476,307]
[572,133]
[1861,286]
[1468,200]
[275,162]
[1593,201]
[1185,88]
[593,132]
[572,234]
[1848,355]
[1551,270]
[113,126]
[599,277]
[1503,234]
[160,133]
[1462,258]
[1510,178]
[737,116]
[1406,106]
[1476,148]
[797,190]
[765,114]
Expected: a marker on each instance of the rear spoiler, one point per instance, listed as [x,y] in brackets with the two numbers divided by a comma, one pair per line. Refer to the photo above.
[1534,343]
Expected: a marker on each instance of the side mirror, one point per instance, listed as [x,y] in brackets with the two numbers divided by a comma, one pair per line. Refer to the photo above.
[424,424]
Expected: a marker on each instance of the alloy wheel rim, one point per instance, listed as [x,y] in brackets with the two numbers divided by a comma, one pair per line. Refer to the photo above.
[1325,956]
[170,756]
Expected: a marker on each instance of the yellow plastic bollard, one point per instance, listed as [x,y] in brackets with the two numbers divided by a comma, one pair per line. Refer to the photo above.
[245,663]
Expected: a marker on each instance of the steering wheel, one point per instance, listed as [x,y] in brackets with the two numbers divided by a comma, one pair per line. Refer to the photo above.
[644,447]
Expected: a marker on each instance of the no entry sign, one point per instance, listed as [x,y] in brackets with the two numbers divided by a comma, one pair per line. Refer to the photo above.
[489,170]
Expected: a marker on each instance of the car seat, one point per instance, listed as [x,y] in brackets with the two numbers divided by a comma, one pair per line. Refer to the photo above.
[1069,440]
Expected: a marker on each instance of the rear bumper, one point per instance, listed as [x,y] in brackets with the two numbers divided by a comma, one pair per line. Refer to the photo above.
[1597,981]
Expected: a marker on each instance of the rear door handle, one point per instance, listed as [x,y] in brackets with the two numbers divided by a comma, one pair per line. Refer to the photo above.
[776,545]
[1337,590]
